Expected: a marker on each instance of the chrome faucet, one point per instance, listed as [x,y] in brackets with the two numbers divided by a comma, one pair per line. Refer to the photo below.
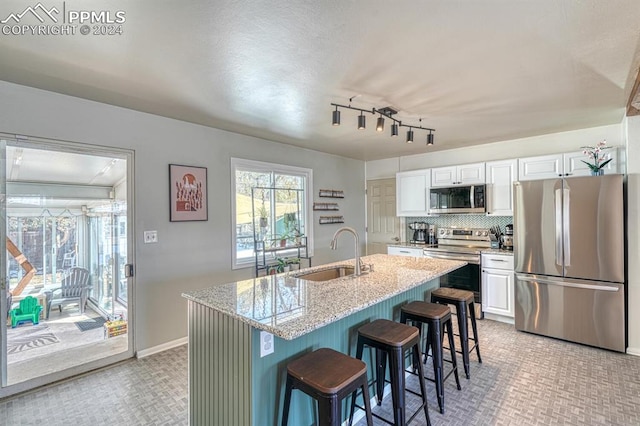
[334,245]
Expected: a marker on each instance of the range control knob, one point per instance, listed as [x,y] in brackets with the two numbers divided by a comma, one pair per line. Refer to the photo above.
[485,233]
[442,232]
[478,233]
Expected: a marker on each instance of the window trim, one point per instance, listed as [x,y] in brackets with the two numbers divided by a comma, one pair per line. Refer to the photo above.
[262,166]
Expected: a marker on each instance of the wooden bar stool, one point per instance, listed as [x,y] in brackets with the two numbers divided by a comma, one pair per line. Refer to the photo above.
[392,339]
[328,377]
[438,319]
[465,308]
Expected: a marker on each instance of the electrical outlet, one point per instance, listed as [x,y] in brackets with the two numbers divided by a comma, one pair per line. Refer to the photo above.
[150,237]
[266,343]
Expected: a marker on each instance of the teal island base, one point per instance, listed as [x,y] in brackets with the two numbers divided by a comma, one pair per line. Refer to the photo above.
[230,384]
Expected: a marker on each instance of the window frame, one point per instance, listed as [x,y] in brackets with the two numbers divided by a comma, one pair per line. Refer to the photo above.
[262,167]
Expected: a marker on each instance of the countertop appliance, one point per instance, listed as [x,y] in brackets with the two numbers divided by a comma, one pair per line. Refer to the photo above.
[457,199]
[463,244]
[419,232]
[569,259]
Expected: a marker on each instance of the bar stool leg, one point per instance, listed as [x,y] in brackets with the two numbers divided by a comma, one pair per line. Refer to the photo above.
[475,329]
[396,369]
[452,350]
[435,338]
[287,401]
[329,411]
[381,367]
[423,386]
[461,313]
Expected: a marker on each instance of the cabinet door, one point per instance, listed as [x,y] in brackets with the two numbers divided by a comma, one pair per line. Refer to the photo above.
[574,166]
[542,167]
[500,176]
[470,174]
[497,292]
[412,193]
[444,176]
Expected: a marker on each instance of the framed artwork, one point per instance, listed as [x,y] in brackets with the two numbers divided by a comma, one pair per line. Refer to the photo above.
[187,193]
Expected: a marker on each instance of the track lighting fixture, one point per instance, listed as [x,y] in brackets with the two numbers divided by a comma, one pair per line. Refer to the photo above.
[430,138]
[409,135]
[336,117]
[386,112]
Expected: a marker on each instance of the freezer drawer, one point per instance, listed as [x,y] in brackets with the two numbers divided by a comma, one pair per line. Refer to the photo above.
[580,311]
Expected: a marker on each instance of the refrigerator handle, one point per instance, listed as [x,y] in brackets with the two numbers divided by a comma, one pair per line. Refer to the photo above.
[472,196]
[565,225]
[558,211]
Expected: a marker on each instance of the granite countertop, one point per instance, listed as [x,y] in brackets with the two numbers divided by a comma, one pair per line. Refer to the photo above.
[290,307]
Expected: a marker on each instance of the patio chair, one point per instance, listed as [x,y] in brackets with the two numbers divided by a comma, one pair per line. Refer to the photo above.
[29,310]
[74,288]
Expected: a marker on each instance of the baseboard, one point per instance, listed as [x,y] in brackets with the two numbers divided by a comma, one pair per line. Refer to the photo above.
[163,347]
[499,318]
[633,351]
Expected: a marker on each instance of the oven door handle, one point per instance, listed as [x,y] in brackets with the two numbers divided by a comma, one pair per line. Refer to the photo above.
[474,260]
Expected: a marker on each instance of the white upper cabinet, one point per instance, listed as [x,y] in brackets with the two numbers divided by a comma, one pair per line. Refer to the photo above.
[500,177]
[412,193]
[466,174]
[560,165]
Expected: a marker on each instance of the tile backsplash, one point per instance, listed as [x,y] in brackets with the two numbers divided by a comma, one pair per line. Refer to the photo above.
[461,221]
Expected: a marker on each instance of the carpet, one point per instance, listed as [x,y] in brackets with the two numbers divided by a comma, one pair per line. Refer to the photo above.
[90,324]
[29,337]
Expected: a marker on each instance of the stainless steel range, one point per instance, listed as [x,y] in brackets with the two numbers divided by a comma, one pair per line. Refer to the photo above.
[463,244]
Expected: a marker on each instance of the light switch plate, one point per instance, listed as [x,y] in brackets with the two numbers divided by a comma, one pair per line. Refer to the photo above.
[150,237]
[266,343]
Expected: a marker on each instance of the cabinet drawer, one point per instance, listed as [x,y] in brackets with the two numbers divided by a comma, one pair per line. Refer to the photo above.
[497,261]
[405,251]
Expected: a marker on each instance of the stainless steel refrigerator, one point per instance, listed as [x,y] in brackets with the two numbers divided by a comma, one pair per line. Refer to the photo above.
[569,249]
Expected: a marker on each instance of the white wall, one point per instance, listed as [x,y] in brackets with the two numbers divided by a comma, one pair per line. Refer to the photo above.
[189,255]
[526,147]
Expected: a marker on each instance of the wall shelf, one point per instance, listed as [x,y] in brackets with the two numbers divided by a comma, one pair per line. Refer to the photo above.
[325,206]
[331,193]
[327,220]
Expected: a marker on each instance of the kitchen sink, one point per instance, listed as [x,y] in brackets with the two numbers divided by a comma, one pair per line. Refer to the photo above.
[327,274]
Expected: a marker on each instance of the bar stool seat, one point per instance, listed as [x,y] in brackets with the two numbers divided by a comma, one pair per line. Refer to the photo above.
[392,339]
[438,319]
[327,376]
[465,309]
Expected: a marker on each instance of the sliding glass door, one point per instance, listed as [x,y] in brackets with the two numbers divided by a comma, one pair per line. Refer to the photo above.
[65,215]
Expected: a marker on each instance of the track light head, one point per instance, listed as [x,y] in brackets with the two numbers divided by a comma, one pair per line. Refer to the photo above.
[430,139]
[394,129]
[362,123]
[336,117]
[409,135]
[380,124]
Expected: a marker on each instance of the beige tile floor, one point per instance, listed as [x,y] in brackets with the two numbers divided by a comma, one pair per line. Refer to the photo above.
[524,380]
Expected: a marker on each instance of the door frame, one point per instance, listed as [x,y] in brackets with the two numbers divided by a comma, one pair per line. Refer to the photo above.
[79,148]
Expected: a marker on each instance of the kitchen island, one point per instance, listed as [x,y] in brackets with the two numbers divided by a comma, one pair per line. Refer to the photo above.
[231,324]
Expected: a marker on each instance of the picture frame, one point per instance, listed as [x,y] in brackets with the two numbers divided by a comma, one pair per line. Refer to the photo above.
[188,200]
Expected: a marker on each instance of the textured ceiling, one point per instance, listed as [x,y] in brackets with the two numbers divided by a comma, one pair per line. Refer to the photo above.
[477,71]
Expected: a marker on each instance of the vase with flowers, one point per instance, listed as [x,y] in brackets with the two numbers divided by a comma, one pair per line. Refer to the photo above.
[597,156]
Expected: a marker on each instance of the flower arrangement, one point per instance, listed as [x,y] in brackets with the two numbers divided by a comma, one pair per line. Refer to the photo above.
[597,156]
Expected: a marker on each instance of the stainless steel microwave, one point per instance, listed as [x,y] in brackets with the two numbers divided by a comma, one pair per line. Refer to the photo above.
[458,199]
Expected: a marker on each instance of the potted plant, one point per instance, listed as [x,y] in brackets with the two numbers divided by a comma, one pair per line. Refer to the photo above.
[597,156]
[284,263]
[264,216]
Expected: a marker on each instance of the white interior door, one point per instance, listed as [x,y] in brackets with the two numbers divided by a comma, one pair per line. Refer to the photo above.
[383,226]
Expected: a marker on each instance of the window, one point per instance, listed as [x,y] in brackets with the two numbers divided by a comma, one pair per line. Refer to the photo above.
[271,201]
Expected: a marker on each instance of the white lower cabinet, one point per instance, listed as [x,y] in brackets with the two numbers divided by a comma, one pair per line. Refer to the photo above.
[405,251]
[498,287]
